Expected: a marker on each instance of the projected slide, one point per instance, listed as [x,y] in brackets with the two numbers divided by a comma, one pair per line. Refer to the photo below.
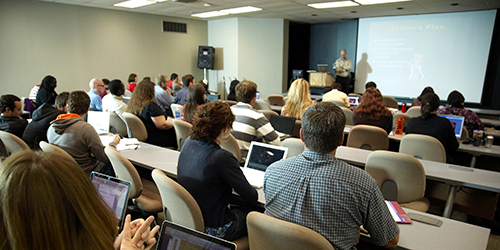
[407,53]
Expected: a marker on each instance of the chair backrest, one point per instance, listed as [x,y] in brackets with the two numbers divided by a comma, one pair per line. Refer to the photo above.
[348,115]
[266,232]
[125,170]
[181,207]
[368,137]
[391,102]
[182,129]
[338,103]
[395,117]
[3,150]
[13,143]
[413,111]
[423,147]
[268,113]
[354,94]
[465,134]
[276,100]
[261,105]
[47,147]
[136,128]
[401,172]
[296,129]
[117,124]
[295,146]
[230,144]
[231,103]
[175,108]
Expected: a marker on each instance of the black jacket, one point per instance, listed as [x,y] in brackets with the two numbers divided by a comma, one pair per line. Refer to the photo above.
[13,125]
[45,95]
[37,129]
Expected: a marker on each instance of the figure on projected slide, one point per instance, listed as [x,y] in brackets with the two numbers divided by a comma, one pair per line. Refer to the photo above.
[343,65]
[415,65]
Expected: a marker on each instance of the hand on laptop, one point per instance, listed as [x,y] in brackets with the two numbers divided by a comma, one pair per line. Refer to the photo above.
[136,234]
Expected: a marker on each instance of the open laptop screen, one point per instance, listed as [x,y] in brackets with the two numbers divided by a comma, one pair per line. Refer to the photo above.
[99,120]
[174,237]
[353,100]
[457,122]
[261,155]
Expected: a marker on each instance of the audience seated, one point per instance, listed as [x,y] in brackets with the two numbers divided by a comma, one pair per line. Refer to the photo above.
[11,121]
[34,92]
[47,93]
[370,85]
[336,95]
[96,88]
[180,97]
[232,90]
[51,204]
[114,102]
[456,107]
[418,101]
[177,84]
[299,99]
[174,78]
[210,173]
[431,124]
[143,104]
[36,131]
[250,124]
[372,111]
[163,95]
[75,136]
[132,80]
[195,98]
[318,191]
[105,81]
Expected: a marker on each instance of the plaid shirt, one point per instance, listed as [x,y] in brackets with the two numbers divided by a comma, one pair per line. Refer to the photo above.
[328,196]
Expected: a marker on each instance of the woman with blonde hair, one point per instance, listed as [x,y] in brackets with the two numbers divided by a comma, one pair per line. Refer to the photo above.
[47,203]
[299,99]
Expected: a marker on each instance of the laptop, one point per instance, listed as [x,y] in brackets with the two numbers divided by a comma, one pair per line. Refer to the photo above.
[114,192]
[323,68]
[212,98]
[353,100]
[283,124]
[259,157]
[457,122]
[175,237]
[99,120]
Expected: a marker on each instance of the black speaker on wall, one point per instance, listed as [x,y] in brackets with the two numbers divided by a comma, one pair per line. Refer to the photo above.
[206,56]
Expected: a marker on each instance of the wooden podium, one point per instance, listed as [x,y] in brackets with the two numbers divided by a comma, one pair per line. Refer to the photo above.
[320,79]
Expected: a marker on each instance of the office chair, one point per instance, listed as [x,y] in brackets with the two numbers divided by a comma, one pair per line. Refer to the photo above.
[231,103]
[261,105]
[268,113]
[390,102]
[117,124]
[295,146]
[3,150]
[230,144]
[13,143]
[47,147]
[296,129]
[414,111]
[348,115]
[182,129]
[395,117]
[136,128]
[423,147]
[276,100]
[368,137]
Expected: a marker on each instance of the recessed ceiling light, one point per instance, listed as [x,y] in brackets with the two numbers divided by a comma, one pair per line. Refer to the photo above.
[134,3]
[210,14]
[332,4]
[368,2]
[241,10]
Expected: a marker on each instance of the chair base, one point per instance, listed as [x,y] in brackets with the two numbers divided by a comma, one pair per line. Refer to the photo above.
[421,205]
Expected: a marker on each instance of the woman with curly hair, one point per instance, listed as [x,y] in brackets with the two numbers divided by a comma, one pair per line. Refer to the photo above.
[210,173]
[372,111]
[299,99]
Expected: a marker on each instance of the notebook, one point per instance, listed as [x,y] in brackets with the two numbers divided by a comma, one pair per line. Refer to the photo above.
[397,213]
[99,120]
[353,100]
[114,192]
[457,122]
[283,124]
[259,157]
[174,237]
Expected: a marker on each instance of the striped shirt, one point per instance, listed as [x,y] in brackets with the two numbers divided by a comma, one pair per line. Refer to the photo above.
[251,125]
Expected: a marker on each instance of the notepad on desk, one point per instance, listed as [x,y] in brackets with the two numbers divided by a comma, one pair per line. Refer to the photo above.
[397,213]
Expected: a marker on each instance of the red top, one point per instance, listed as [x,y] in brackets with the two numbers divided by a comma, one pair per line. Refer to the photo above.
[169,85]
[131,87]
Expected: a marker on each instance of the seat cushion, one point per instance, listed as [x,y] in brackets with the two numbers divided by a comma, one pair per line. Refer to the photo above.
[421,205]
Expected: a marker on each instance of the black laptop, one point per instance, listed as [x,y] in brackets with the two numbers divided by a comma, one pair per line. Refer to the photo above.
[283,124]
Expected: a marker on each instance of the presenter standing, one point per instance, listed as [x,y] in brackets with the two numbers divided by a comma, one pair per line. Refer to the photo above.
[343,66]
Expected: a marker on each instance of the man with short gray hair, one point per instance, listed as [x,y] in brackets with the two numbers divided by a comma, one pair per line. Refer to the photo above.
[96,88]
[318,191]
[162,94]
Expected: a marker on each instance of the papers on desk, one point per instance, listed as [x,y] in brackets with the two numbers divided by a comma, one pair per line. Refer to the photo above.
[398,214]
[125,143]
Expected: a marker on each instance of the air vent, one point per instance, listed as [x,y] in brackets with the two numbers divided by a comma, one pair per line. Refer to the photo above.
[174,27]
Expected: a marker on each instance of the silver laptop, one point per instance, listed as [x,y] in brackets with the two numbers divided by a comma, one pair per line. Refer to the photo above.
[457,122]
[99,120]
[259,157]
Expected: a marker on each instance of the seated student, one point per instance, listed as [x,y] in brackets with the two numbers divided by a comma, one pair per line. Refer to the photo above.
[370,84]
[456,107]
[71,133]
[114,102]
[36,131]
[11,121]
[132,80]
[143,104]
[299,99]
[336,95]
[318,191]
[46,93]
[232,90]
[195,98]
[163,95]
[96,88]
[105,81]
[174,78]
[210,173]
[418,101]
[250,124]
[180,97]
[38,186]
[372,111]
[431,124]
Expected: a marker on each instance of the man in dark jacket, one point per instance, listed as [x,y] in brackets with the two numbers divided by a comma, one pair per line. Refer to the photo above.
[11,121]
[42,117]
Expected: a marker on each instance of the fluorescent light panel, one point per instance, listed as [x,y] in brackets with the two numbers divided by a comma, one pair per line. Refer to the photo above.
[333,4]
[134,3]
[210,14]
[369,2]
[241,10]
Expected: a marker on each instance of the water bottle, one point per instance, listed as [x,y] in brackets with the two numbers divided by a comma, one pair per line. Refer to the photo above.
[400,123]
[403,108]
[177,114]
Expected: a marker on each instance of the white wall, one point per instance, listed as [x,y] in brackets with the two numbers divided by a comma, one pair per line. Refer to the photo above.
[75,44]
